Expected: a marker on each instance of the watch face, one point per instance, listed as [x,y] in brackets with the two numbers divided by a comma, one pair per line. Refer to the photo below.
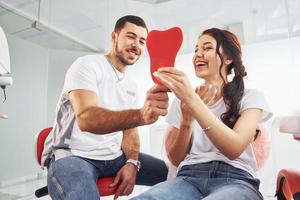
[136,163]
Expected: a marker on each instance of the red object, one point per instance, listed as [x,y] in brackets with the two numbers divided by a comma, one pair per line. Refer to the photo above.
[163,47]
[296,137]
[103,186]
[288,185]
[102,183]
[40,140]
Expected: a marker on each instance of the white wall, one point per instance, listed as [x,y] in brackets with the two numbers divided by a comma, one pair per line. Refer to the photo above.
[274,68]
[38,75]
[26,108]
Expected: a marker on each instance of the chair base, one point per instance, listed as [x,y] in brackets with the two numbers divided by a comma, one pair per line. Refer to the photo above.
[41,192]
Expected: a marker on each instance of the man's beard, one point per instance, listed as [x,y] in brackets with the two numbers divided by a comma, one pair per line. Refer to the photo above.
[121,57]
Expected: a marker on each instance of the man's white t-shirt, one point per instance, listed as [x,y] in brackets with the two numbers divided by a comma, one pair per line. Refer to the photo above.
[115,91]
[203,150]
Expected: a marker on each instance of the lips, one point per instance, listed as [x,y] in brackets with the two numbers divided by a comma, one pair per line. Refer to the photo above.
[200,63]
[133,52]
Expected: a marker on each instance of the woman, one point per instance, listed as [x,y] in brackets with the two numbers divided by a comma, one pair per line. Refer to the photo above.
[213,127]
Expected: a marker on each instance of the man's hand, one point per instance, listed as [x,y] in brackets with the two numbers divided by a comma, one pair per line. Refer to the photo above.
[155,105]
[125,180]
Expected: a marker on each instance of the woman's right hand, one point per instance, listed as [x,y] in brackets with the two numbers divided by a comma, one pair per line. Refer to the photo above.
[187,116]
[208,93]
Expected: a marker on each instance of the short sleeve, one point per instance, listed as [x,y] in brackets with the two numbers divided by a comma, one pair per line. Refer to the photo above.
[174,116]
[137,100]
[83,74]
[256,99]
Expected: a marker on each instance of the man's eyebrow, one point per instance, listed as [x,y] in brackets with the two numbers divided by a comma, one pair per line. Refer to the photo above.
[131,33]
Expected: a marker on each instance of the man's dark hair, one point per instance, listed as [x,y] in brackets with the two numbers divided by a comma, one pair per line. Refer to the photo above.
[131,19]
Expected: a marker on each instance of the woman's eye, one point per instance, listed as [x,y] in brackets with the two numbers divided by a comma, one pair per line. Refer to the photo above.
[207,48]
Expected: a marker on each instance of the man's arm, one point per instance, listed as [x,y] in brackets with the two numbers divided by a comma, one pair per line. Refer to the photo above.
[131,143]
[126,177]
[92,118]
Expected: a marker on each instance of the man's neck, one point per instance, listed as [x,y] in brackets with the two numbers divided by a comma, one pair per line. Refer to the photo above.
[115,62]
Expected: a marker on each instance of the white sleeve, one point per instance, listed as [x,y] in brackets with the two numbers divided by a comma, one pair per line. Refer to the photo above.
[174,116]
[83,74]
[256,99]
[137,100]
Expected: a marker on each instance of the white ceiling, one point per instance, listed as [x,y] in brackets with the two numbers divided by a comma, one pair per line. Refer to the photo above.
[86,24]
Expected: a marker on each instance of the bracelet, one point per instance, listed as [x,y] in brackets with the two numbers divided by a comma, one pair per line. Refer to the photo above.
[209,126]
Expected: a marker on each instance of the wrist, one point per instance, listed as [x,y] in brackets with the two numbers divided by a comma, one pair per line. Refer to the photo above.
[135,163]
[194,102]
[186,123]
[140,117]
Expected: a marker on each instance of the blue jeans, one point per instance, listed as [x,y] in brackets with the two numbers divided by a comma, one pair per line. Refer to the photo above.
[214,180]
[74,178]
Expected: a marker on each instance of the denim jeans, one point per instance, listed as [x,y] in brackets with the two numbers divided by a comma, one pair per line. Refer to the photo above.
[74,178]
[214,180]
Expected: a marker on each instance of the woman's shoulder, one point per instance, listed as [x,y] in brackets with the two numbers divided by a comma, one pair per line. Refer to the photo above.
[253,94]
[254,98]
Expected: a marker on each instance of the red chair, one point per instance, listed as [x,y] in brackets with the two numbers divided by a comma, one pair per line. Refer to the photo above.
[288,180]
[288,185]
[102,183]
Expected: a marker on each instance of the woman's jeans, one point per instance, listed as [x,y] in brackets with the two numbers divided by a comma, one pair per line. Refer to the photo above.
[214,180]
[74,178]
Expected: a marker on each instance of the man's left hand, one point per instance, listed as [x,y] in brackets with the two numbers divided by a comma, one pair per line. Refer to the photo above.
[125,180]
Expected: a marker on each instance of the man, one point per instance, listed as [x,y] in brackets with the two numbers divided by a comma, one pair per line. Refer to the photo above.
[95,132]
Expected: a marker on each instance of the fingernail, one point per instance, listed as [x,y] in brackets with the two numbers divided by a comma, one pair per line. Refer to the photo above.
[155,74]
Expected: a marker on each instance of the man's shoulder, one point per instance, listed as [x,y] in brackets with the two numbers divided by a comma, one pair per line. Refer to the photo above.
[95,61]
[90,58]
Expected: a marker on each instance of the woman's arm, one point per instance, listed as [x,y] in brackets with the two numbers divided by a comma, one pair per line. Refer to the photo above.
[178,143]
[231,142]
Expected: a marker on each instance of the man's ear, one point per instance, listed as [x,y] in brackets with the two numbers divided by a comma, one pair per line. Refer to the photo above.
[113,36]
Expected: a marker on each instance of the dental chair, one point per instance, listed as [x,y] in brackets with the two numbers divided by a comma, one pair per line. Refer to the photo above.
[102,183]
[288,180]
[288,185]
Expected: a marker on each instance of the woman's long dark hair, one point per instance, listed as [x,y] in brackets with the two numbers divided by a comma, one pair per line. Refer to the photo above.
[232,91]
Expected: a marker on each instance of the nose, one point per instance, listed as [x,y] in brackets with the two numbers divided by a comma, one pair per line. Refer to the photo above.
[136,43]
[199,53]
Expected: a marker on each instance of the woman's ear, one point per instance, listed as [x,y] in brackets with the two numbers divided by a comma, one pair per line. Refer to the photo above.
[227,61]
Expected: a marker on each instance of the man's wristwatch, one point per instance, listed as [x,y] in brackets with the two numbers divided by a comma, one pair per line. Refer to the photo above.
[136,163]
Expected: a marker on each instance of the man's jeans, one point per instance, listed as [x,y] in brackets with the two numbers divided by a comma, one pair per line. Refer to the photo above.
[74,178]
[214,180]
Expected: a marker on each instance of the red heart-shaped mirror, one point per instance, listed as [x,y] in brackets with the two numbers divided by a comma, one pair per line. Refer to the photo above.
[163,47]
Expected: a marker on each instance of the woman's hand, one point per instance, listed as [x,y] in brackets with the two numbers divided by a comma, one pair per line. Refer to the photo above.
[208,93]
[177,82]
[187,116]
